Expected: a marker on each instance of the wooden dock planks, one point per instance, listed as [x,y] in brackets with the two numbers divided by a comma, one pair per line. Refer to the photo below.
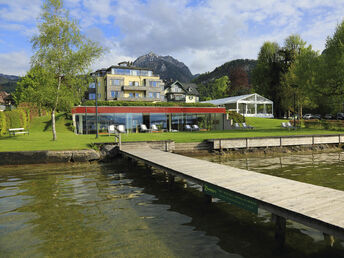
[315,206]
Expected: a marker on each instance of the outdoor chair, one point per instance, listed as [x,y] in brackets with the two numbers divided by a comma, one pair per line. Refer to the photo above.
[237,126]
[289,125]
[154,127]
[195,128]
[144,129]
[284,125]
[121,129]
[188,128]
[111,129]
[245,126]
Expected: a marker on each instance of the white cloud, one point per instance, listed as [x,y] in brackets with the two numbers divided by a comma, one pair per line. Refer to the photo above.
[203,35]
[14,63]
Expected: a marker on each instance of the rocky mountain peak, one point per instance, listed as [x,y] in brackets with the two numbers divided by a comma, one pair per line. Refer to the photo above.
[165,66]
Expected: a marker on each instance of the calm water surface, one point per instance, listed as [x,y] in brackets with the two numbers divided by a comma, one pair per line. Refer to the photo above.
[120,210]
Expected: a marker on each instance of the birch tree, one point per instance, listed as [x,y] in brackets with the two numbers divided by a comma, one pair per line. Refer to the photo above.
[64,54]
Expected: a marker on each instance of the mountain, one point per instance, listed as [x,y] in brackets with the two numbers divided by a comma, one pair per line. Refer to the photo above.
[8,83]
[247,65]
[166,66]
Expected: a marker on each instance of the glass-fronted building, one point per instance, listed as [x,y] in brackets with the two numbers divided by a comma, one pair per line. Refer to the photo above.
[165,118]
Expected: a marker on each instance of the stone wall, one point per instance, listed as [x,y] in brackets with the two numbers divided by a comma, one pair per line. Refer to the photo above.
[36,157]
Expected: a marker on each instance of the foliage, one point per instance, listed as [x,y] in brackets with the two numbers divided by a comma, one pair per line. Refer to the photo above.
[330,79]
[16,119]
[239,73]
[236,117]
[271,73]
[323,124]
[239,82]
[3,124]
[214,90]
[145,103]
[61,56]
[300,80]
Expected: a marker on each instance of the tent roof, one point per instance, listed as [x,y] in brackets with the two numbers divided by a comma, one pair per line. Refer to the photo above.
[235,99]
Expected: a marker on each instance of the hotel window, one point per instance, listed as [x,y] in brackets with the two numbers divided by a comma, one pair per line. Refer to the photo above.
[92,96]
[153,83]
[150,73]
[137,95]
[131,95]
[150,94]
[133,83]
[92,85]
[115,82]
[114,94]
[135,72]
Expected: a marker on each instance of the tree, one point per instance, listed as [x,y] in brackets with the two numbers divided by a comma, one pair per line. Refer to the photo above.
[300,78]
[64,55]
[239,82]
[215,89]
[330,79]
[267,74]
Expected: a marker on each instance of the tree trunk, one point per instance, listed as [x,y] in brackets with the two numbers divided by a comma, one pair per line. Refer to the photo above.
[53,124]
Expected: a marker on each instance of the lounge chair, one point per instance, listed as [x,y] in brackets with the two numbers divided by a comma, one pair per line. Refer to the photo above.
[245,126]
[111,129]
[154,127]
[195,128]
[121,129]
[237,126]
[144,129]
[284,125]
[289,125]
[188,128]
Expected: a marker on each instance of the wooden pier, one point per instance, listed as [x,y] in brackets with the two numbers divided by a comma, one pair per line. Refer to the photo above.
[314,206]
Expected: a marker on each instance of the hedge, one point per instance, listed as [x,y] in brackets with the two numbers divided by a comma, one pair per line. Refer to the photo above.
[3,124]
[236,117]
[16,119]
[144,103]
[323,124]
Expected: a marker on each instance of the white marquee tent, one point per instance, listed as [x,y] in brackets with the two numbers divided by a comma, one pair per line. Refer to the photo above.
[250,105]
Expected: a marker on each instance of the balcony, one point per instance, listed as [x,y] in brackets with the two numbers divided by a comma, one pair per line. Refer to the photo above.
[138,99]
[135,88]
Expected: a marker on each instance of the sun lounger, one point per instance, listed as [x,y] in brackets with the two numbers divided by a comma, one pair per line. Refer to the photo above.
[144,129]
[188,128]
[195,128]
[245,126]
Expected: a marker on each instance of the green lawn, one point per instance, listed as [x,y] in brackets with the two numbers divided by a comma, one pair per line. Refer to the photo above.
[40,135]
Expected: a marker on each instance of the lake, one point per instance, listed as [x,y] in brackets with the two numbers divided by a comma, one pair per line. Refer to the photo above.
[121,210]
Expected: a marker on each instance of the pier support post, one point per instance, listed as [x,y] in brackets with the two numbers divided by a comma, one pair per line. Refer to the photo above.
[171,179]
[329,239]
[208,197]
[280,227]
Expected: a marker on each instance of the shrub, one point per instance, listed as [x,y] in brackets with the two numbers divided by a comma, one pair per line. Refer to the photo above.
[330,125]
[16,118]
[236,117]
[3,124]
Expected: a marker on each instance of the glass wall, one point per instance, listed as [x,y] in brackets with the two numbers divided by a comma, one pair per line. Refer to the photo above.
[86,123]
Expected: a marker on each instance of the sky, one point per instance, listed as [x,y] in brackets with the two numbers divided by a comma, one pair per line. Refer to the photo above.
[203,34]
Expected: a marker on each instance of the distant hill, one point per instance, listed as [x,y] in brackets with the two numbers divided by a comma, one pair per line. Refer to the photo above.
[166,66]
[8,83]
[228,68]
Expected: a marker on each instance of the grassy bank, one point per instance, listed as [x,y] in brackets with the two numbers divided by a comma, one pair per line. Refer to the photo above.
[40,135]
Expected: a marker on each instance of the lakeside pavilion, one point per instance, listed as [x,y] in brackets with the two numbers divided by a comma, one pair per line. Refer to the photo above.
[165,118]
[250,105]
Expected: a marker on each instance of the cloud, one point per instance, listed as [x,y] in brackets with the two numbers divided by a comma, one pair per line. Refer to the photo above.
[202,34]
[14,63]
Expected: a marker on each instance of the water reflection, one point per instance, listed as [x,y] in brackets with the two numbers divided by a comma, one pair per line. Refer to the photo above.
[123,210]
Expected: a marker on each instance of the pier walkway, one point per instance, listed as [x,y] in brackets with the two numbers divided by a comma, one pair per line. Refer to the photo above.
[314,206]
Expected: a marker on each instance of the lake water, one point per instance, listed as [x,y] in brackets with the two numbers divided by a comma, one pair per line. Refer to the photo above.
[120,210]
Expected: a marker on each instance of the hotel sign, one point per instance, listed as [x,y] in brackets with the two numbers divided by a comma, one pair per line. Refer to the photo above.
[233,198]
